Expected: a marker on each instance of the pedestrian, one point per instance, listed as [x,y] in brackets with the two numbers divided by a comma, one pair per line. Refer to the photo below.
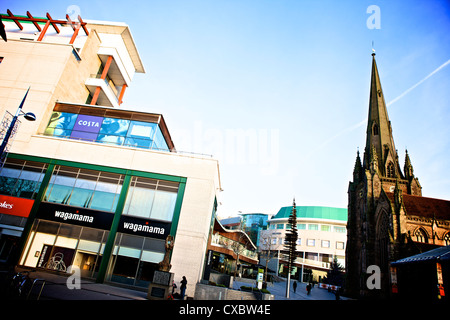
[308,288]
[295,286]
[174,286]
[183,287]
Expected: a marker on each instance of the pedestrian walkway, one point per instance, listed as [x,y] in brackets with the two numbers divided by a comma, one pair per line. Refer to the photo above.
[278,290]
[55,288]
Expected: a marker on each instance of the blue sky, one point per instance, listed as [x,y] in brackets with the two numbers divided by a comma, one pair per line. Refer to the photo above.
[278,90]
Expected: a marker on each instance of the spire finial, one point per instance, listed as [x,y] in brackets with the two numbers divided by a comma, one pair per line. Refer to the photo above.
[373,50]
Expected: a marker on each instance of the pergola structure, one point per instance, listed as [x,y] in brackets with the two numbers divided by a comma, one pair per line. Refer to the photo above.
[76,25]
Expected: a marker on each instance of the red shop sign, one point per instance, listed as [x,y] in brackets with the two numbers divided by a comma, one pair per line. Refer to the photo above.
[15,206]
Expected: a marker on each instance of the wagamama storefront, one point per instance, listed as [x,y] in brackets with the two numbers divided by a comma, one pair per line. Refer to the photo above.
[108,222]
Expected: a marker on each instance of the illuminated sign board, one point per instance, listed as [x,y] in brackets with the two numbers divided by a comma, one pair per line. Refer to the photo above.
[15,206]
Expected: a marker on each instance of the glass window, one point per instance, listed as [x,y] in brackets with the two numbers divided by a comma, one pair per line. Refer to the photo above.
[60,124]
[115,131]
[339,245]
[313,227]
[311,242]
[325,227]
[140,134]
[301,226]
[151,198]
[339,229]
[114,126]
[280,226]
[84,188]
[159,142]
[19,178]
[325,243]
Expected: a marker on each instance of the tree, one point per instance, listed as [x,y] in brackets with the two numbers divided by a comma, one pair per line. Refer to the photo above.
[237,247]
[268,253]
[290,244]
[334,275]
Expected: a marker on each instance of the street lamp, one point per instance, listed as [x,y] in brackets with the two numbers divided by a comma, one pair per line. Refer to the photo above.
[28,116]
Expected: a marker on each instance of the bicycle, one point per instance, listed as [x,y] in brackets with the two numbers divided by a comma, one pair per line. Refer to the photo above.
[21,285]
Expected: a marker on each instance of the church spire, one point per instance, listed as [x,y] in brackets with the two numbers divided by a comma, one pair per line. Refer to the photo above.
[358,169]
[379,139]
[408,168]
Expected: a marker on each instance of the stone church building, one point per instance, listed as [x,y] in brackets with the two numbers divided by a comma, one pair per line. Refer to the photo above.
[388,219]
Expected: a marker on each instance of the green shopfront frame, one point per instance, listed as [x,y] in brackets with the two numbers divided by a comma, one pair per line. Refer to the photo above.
[116,215]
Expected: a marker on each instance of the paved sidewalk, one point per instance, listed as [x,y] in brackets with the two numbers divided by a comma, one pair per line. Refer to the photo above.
[278,289]
[55,288]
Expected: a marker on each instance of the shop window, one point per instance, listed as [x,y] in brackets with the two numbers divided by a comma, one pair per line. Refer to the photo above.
[151,198]
[136,259]
[123,132]
[84,188]
[56,246]
[19,178]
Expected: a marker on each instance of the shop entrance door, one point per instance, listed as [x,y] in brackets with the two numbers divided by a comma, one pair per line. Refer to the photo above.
[88,263]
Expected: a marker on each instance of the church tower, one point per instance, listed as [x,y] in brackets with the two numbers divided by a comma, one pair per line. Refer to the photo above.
[374,229]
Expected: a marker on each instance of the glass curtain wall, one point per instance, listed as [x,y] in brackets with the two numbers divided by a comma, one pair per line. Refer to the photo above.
[151,198]
[84,188]
[123,132]
[20,178]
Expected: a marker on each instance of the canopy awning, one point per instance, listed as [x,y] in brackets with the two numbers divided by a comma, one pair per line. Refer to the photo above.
[437,255]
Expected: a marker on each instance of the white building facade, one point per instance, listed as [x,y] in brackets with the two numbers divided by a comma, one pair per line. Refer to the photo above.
[322,237]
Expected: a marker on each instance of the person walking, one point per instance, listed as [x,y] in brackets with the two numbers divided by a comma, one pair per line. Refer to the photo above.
[174,286]
[183,287]
[308,288]
[295,286]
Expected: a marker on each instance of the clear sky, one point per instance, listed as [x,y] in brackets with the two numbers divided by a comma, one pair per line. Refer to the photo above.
[278,90]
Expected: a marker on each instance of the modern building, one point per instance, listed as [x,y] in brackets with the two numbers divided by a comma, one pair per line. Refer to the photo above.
[388,218]
[91,184]
[250,223]
[230,252]
[322,237]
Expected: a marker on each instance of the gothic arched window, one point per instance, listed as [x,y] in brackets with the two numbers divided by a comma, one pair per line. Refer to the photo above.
[421,236]
[390,172]
[375,129]
[447,239]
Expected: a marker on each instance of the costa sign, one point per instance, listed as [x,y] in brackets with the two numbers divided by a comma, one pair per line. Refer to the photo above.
[15,206]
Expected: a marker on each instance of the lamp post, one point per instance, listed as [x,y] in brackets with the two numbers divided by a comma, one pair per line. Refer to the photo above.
[29,116]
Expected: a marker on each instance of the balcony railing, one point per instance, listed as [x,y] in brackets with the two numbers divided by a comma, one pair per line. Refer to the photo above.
[109,84]
[221,241]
